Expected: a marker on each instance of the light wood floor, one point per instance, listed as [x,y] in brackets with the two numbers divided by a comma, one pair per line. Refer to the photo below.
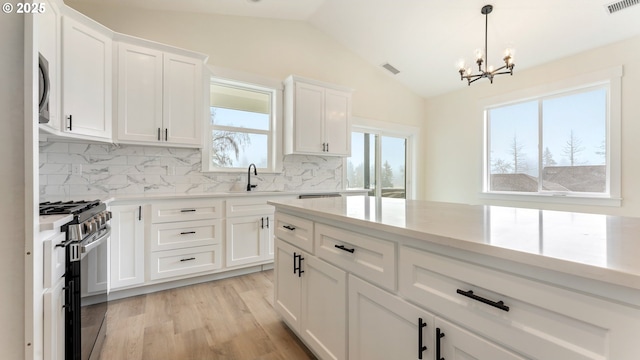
[225,319]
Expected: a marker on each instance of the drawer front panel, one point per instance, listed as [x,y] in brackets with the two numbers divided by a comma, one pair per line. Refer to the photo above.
[201,209]
[370,258]
[253,205]
[165,264]
[294,230]
[543,322]
[248,207]
[169,236]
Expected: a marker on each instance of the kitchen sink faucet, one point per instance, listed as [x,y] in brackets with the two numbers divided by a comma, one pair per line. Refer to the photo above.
[255,172]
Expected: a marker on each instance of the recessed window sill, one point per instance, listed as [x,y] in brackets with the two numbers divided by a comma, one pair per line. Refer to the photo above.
[553,198]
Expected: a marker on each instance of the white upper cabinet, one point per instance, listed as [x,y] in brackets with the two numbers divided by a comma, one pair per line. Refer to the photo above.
[49,48]
[86,80]
[160,97]
[317,118]
[183,99]
[139,93]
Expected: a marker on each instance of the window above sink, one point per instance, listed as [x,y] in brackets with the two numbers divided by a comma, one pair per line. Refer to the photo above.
[243,127]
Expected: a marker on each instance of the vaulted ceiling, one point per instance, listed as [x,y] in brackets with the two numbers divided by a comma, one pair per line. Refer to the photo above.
[425,39]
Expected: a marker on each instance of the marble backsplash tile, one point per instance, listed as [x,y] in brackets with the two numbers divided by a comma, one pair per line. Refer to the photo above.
[107,169]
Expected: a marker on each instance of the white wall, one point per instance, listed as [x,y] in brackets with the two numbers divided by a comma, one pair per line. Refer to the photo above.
[12,216]
[453,131]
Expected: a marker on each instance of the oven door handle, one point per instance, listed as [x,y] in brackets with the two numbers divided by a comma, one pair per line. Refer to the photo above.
[94,244]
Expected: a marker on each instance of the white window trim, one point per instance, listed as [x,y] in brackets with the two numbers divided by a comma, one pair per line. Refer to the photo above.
[232,77]
[411,133]
[611,76]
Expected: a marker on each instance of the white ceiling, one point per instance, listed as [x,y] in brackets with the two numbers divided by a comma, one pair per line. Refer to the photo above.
[425,39]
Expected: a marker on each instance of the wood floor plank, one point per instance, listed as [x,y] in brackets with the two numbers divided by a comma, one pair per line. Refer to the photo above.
[225,319]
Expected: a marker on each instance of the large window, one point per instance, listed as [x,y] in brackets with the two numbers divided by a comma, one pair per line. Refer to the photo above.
[563,143]
[378,162]
[241,127]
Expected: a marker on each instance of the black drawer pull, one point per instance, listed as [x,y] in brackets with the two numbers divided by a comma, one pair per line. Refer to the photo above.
[421,347]
[188,259]
[439,335]
[188,210]
[297,268]
[500,304]
[288,227]
[341,247]
[187,232]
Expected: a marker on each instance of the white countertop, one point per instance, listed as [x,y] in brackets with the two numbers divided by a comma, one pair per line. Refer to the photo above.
[598,247]
[53,222]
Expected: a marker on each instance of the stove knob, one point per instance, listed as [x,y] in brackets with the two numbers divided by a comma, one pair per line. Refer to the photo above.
[108,215]
[100,220]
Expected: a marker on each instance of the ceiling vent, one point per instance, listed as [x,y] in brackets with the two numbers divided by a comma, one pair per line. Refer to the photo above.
[393,70]
[620,5]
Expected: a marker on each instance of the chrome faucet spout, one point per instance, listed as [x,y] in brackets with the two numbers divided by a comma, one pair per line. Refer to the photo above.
[255,172]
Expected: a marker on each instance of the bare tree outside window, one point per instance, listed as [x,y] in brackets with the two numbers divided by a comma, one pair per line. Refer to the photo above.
[572,148]
[547,158]
[519,164]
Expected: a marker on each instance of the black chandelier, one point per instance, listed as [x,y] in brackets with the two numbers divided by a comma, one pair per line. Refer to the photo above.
[489,72]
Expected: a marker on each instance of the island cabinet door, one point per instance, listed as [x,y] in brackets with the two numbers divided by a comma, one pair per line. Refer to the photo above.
[287,287]
[383,326]
[456,343]
[323,323]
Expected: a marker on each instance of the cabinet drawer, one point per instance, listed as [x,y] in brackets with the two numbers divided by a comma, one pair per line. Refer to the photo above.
[247,207]
[54,260]
[295,230]
[169,263]
[368,257]
[178,235]
[171,211]
[542,321]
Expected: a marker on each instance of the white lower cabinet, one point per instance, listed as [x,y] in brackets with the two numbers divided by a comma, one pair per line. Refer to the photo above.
[185,238]
[383,326]
[310,294]
[249,239]
[127,246]
[456,343]
[54,315]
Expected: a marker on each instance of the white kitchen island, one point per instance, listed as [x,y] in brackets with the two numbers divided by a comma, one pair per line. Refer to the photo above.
[367,278]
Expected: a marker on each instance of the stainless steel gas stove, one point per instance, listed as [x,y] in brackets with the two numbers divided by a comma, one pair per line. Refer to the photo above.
[86,248]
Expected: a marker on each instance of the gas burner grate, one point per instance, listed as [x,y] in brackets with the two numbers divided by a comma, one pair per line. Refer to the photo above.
[67,207]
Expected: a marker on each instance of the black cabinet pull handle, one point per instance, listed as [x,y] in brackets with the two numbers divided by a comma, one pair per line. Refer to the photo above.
[158,134]
[166,134]
[188,259]
[499,304]
[342,247]
[261,223]
[267,222]
[291,228]
[140,213]
[327,147]
[187,232]
[298,267]
[188,210]
[421,347]
[439,335]
[70,127]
